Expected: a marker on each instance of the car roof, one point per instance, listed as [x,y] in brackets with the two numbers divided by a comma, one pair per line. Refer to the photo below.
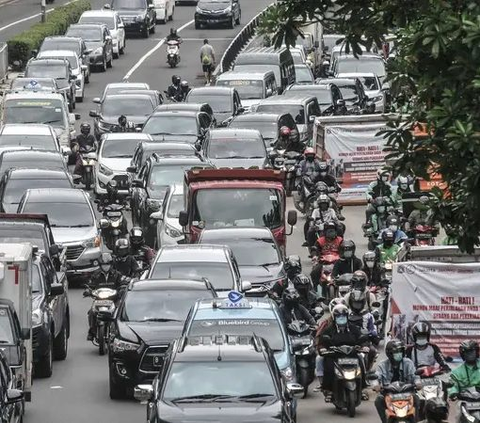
[258,116]
[99,12]
[159,146]
[306,87]
[186,113]
[216,90]
[24,173]
[234,133]
[134,136]
[87,25]
[336,81]
[350,75]
[56,53]
[280,99]
[123,96]
[129,84]
[161,161]
[27,80]
[25,129]
[231,75]
[48,155]
[61,37]
[6,303]
[193,253]
[260,308]
[30,95]
[169,285]
[236,233]
[194,107]
[57,195]
[48,61]
[368,55]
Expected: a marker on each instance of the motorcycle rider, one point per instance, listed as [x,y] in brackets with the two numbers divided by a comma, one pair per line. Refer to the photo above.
[371,268]
[387,250]
[173,36]
[404,186]
[394,224]
[173,91]
[349,262]
[381,187]
[286,142]
[304,287]
[124,125]
[110,198]
[466,375]
[292,267]
[124,264]
[83,141]
[436,411]
[291,309]
[395,368]
[309,168]
[421,215]
[359,282]
[326,176]
[184,89]
[139,249]
[320,215]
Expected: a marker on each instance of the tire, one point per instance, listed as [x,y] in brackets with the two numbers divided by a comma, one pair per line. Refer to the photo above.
[117,390]
[288,188]
[60,344]
[304,381]
[44,368]
[103,66]
[351,409]
[122,50]
[109,63]
[102,348]
[197,25]
[152,29]
[331,292]
[162,21]
[88,181]
[145,33]
[87,79]
[239,18]
[116,55]
[171,16]
[80,99]
[232,23]
[70,107]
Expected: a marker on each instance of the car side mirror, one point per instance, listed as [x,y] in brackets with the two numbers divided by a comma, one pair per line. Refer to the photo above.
[93,114]
[385,86]
[56,289]
[103,223]
[143,392]
[73,77]
[151,6]
[137,183]
[77,116]
[241,110]
[96,100]
[132,169]
[269,92]
[246,286]
[311,118]
[14,396]
[54,249]
[108,38]
[340,103]
[26,333]
[183,218]
[120,26]
[87,51]
[158,215]
[66,151]
[84,68]
[376,304]
[292,217]
[295,389]
[34,53]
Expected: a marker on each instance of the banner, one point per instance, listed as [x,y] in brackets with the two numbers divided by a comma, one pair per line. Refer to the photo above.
[445,295]
[356,153]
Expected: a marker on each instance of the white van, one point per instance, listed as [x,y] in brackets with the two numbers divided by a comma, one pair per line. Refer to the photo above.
[165,10]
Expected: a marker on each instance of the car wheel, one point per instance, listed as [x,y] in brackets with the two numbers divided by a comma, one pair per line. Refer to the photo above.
[122,50]
[87,78]
[60,345]
[117,390]
[44,368]
[103,66]
[74,103]
[116,55]
[152,29]
[197,25]
[239,18]
[109,63]
[232,23]
[145,33]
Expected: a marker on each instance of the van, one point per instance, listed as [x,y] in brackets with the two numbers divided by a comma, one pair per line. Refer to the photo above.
[165,10]
[268,58]
[252,87]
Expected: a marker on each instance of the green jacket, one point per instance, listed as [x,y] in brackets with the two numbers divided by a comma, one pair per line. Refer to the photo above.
[449,240]
[465,376]
[388,254]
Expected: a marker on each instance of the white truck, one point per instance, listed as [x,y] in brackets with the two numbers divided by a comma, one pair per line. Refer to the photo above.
[16,289]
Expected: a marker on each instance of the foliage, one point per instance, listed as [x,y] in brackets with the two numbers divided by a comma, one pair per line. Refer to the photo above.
[437,67]
[21,46]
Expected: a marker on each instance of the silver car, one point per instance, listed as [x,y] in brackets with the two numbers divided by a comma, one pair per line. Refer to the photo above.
[376,92]
[169,230]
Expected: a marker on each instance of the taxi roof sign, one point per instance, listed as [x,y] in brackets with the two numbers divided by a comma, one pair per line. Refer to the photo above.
[234,299]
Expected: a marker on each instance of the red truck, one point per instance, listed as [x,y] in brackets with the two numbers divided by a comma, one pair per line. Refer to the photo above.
[218,198]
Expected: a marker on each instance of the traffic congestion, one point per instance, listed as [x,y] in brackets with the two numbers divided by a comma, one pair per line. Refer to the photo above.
[182,240]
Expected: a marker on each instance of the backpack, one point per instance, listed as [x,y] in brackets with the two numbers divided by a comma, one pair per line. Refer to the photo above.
[206,59]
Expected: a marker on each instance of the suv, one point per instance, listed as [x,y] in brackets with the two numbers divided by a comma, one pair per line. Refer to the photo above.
[353,92]
[210,12]
[220,378]
[138,16]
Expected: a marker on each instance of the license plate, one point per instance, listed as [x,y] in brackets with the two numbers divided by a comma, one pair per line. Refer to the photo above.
[157,360]
[348,361]
[424,236]
[100,303]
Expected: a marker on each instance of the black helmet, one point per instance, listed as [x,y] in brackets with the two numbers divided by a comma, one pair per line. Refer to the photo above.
[176,80]
[184,85]
[122,120]
[112,187]
[394,346]
[393,223]
[323,168]
[345,246]
[290,296]
[323,202]
[357,300]
[136,236]
[85,128]
[369,259]
[122,247]
[388,237]
[436,409]
[421,329]
[469,351]
[330,230]
[359,280]
[340,314]
[293,266]
[173,31]
[321,187]
[302,283]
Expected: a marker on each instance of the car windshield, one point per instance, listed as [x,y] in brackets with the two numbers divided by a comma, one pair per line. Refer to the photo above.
[296,110]
[107,20]
[43,85]
[215,378]
[303,74]
[41,142]
[128,106]
[122,88]
[37,287]
[129,4]
[65,215]
[349,92]
[169,124]
[218,103]
[176,206]
[161,305]
[46,71]
[61,44]
[323,94]
[268,329]
[15,188]
[6,329]
[246,88]
[370,83]
[268,129]
[88,34]
[31,161]
[45,111]
[361,65]
[12,235]
[233,148]
[298,58]
[253,207]
[219,274]
[120,148]
[260,68]
[165,175]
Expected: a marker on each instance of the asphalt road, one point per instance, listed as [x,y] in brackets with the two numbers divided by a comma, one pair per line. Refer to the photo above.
[78,390]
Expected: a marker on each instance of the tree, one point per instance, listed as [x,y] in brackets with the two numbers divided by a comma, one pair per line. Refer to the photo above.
[437,66]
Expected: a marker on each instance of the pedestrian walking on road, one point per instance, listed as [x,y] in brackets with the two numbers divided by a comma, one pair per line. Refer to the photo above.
[207,57]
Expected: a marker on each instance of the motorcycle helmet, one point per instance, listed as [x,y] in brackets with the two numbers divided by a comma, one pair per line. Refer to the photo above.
[335,302]
[330,230]
[423,202]
[293,266]
[403,183]
[85,128]
[340,315]
[421,334]
[347,249]
[321,187]
[369,259]
[121,248]
[173,32]
[112,188]
[436,410]
[383,176]
[285,131]
[302,283]
[359,280]
[380,204]
[323,168]
[184,85]
[136,237]
[309,154]
[393,223]
[469,351]
[357,300]
[395,350]
[290,296]
[323,202]
[388,238]
[176,80]
[122,120]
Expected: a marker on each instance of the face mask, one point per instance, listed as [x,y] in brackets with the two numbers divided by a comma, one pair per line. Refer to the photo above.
[357,305]
[323,174]
[421,342]
[309,159]
[341,320]
[388,244]
[330,234]
[323,207]
[348,254]
[398,357]
[403,187]
[393,228]
[471,357]
[384,178]
[370,264]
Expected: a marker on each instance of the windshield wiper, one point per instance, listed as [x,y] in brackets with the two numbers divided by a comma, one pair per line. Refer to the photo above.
[79,226]
[4,342]
[49,122]
[259,397]
[123,156]
[202,398]
[160,319]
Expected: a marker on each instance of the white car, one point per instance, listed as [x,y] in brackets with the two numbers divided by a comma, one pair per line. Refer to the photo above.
[373,88]
[114,157]
[165,10]
[114,23]
[78,69]
[169,230]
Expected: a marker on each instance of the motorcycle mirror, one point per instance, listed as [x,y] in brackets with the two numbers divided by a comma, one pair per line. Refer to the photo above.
[104,223]
[372,376]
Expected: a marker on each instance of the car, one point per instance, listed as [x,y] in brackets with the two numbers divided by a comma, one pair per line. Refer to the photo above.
[59,69]
[76,44]
[229,147]
[165,9]
[50,315]
[329,96]
[78,70]
[225,102]
[151,183]
[98,39]
[149,317]
[155,96]
[136,107]
[74,225]
[253,315]
[299,58]
[35,84]
[303,74]
[211,12]
[365,63]
[353,92]
[341,50]
[15,182]
[258,256]
[20,136]
[376,93]
[31,158]
[169,230]
[176,125]
[216,263]
[138,16]
[190,107]
[256,393]
[40,108]
[120,87]
[113,158]
[114,23]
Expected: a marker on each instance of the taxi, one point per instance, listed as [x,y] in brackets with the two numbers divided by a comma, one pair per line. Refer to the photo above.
[235,315]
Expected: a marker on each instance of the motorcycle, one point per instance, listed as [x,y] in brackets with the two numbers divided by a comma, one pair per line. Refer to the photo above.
[303,345]
[399,401]
[305,195]
[287,161]
[347,382]
[431,386]
[343,284]
[89,159]
[173,53]
[469,405]
[326,280]
[113,225]
[424,235]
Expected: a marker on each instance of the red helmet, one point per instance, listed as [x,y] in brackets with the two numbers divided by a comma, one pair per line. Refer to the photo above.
[309,151]
[285,131]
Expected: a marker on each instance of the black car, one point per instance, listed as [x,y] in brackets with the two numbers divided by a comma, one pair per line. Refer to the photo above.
[11,398]
[15,182]
[138,16]
[218,12]
[220,378]
[150,186]
[353,92]
[136,107]
[191,107]
[224,101]
[39,159]
[328,95]
[258,256]
[175,125]
[98,39]
[119,88]
[50,316]
[60,70]
[235,148]
[268,124]
[150,316]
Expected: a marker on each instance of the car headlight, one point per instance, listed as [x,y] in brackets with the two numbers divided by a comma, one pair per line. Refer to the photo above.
[228,9]
[98,51]
[120,345]
[140,18]
[198,10]
[288,374]
[37,318]
[153,204]
[105,170]
[377,98]
[92,243]
[172,232]
[104,126]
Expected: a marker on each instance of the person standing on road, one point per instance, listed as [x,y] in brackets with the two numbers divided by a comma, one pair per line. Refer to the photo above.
[207,57]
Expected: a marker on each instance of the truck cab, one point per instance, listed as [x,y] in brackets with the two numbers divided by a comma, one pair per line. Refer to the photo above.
[218,198]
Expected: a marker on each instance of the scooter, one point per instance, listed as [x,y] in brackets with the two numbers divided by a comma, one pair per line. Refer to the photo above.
[431,386]
[305,195]
[469,405]
[113,225]
[400,405]
[326,279]
[287,161]
[173,53]
[89,159]
[424,235]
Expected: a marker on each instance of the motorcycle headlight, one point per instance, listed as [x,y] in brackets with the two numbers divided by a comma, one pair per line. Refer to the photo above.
[349,374]
[172,232]
[92,243]
[120,345]
[37,318]
[98,51]
[153,204]
[288,374]
[115,223]
[105,170]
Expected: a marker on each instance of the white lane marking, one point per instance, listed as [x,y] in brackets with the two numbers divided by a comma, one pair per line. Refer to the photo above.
[3,28]
[150,52]
[200,39]
[56,387]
